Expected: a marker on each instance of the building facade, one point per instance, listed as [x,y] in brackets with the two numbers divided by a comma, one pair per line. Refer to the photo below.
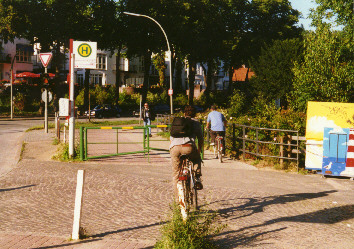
[25,58]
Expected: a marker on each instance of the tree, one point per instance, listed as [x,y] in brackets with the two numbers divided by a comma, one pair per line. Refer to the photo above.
[327,73]
[273,69]
[258,22]
[159,62]
[13,22]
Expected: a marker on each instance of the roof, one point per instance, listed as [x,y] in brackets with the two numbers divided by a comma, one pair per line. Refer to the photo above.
[240,74]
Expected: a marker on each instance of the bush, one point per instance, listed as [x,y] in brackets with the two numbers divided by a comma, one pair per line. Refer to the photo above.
[237,103]
[181,99]
[19,102]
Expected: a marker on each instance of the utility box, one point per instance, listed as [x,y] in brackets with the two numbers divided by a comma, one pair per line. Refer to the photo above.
[64,107]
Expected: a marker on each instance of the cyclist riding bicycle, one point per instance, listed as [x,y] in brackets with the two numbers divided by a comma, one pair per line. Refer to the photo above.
[185,145]
[216,122]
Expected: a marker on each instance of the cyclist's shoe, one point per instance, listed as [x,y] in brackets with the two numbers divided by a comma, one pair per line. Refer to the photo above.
[198,184]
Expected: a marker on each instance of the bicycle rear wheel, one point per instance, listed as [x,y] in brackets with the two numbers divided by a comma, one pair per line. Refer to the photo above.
[215,151]
[194,196]
[220,156]
[219,151]
[183,198]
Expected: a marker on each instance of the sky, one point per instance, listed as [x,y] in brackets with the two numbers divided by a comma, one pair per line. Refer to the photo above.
[304,7]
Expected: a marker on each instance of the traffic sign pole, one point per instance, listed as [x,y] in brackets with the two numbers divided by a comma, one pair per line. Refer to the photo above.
[45,59]
[46,106]
[72,106]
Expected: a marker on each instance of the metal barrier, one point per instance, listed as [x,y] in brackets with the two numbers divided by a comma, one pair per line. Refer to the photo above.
[285,142]
[145,141]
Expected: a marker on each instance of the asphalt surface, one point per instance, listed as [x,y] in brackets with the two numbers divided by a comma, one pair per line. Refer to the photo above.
[127,198]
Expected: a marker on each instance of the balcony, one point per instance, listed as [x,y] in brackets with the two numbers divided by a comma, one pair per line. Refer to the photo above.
[5,58]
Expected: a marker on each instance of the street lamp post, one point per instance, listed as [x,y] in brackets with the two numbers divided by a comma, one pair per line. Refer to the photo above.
[12,82]
[169,51]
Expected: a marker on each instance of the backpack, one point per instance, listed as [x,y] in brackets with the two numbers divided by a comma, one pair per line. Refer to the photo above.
[181,127]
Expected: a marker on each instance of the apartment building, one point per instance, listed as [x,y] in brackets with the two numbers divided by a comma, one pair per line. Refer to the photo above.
[19,54]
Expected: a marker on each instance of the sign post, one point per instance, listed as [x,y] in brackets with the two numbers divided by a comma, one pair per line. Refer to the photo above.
[82,55]
[72,104]
[45,59]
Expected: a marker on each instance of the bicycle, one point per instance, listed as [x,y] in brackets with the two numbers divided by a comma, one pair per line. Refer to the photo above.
[186,186]
[218,147]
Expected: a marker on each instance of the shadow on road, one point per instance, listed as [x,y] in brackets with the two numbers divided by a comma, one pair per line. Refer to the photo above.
[10,189]
[127,229]
[248,235]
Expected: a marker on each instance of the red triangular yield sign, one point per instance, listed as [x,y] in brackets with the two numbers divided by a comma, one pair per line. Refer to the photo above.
[45,58]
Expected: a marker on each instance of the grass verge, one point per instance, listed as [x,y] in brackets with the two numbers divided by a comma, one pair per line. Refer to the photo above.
[196,232]
[22,150]
[63,153]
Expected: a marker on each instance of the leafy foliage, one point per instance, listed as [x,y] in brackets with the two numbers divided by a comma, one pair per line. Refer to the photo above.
[273,68]
[327,74]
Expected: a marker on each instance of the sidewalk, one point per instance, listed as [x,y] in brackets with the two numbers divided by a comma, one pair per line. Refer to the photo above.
[126,199]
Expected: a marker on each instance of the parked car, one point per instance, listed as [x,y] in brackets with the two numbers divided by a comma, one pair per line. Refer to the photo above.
[161,109]
[104,111]
[156,109]
[179,108]
[165,109]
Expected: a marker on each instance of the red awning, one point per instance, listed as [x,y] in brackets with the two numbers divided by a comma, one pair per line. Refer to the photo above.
[27,75]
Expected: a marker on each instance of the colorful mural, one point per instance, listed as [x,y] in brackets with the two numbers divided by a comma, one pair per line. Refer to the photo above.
[327,114]
[321,115]
[335,148]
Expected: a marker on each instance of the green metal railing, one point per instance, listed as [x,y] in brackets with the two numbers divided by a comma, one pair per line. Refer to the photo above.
[145,141]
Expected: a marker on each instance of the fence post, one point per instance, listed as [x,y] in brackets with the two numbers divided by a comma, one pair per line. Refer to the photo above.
[243,142]
[58,126]
[81,143]
[86,149]
[257,144]
[288,137]
[233,137]
[202,149]
[208,137]
[281,150]
[117,141]
[297,151]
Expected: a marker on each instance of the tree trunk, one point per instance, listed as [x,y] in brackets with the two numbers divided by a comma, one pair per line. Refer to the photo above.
[147,63]
[191,79]
[178,85]
[118,83]
[231,73]
[208,78]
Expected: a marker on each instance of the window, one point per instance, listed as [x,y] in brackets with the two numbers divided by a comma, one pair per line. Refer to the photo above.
[124,64]
[96,79]
[101,61]
[23,53]
[141,64]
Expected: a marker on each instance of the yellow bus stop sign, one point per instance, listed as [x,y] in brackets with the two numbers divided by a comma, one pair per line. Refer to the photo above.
[84,50]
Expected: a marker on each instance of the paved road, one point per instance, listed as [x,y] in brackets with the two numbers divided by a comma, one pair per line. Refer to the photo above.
[126,200]
[11,137]
[12,134]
